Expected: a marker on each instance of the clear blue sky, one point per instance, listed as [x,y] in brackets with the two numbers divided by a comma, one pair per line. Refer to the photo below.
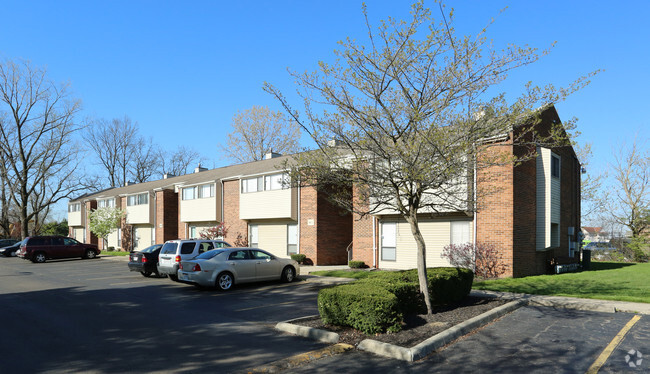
[182,69]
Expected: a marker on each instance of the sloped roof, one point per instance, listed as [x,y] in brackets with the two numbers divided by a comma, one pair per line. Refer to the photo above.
[222,173]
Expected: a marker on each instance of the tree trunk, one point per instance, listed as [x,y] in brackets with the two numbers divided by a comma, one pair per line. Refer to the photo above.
[412,219]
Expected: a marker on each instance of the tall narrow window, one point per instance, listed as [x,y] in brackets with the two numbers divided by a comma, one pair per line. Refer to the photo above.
[254,239]
[555,166]
[389,241]
[292,239]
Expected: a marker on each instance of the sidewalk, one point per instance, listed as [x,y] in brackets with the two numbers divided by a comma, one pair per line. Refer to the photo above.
[594,305]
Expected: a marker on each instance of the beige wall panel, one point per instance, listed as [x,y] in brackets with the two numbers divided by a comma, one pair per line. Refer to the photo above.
[138,214]
[198,210]
[266,204]
[74,219]
[273,238]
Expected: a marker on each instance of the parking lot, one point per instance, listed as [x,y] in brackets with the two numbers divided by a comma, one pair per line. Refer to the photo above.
[96,316]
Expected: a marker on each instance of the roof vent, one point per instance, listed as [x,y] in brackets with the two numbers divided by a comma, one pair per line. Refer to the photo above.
[168,175]
[199,169]
[128,183]
[271,155]
[334,143]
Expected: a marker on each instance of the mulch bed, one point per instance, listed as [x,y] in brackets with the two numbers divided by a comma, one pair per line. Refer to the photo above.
[415,328]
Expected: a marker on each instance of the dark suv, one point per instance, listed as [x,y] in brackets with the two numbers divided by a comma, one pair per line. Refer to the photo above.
[41,248]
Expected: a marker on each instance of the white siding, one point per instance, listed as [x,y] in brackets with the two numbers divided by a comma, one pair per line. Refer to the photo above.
[139,214]
[436,233]
[548,198]
[112,240]
[79,234]
[196,210]
[75,219]
[200,226]
[267,204]
[144,237]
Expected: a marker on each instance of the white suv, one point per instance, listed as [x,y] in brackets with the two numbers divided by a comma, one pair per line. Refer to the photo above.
[175,251]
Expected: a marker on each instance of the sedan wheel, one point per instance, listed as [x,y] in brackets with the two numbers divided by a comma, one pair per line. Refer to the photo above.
[288,274]
[90,253]
[146,273]
[224,281]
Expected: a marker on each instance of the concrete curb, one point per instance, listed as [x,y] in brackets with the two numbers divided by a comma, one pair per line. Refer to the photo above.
[301,359]
[439,340]
[308,332]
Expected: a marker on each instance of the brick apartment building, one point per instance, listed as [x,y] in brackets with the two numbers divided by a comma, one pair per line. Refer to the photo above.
[532,217]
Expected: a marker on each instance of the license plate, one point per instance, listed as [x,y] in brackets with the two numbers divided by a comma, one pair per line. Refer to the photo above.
[184,277]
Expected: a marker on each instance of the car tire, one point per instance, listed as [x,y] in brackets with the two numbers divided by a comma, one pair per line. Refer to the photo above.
[90,254]
[146,274]
[173,277]
[288,274]
[225,281]
[39,258]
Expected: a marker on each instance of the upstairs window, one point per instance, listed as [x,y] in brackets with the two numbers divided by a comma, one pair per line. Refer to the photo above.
[74,207]
[265,183]
[139,199]
[106,203]
[555,166]
[198,192]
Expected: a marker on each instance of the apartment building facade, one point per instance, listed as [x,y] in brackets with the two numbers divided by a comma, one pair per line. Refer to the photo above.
[531,216]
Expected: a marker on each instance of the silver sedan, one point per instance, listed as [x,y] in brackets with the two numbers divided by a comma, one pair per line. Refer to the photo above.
[225,267]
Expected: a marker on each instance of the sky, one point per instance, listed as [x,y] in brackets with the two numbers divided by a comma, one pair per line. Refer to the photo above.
[182,69]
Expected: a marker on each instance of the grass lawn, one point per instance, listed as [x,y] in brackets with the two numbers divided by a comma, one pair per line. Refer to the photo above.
[605,281]
[114,253]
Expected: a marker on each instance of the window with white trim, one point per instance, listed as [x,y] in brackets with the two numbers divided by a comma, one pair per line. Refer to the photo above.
[198,192]
[459,232]
[139,199]
[106,203]
[254,237]
[266,183]
[76,207]
[389,241]
[555,166]
[292,239]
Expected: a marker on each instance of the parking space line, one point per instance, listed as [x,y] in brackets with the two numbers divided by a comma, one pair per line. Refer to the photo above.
[264,306]
[600,361]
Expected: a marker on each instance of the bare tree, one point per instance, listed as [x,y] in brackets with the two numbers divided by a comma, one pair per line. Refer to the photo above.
[37,129]
[145,161]
[115,144]
[258,131]
[590,184]
[412,120]
[178,162]
[629,203]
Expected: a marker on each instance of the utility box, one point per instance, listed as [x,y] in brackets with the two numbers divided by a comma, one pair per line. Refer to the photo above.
[586,259]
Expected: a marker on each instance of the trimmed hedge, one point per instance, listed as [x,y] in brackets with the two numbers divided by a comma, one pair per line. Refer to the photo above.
[357,264]
[379,303]
[367,307]
[299,258]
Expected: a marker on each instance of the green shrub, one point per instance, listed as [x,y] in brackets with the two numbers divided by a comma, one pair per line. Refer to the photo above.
[357,264]
[366,307]
[111,248]
[299,258]
[407,293]
[446,284]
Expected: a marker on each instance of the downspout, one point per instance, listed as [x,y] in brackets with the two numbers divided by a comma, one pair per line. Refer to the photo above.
[299,223]
[474,197]
[155,222]
[374,242]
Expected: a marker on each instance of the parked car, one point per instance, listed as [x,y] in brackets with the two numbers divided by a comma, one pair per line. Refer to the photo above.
[10,250]
[7,242]
[41,248]
[145,261]
[174,251]
[223,268]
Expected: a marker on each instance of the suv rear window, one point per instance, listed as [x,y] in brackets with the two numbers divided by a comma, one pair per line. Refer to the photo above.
[169,249]
[187,248]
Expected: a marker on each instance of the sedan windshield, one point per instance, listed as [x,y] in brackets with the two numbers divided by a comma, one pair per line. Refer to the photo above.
[209,254]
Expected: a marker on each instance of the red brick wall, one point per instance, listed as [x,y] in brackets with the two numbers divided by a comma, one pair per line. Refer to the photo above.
[166,224]
[90,237]
[235,225]
[362,235]
[309,233]
[495,215]
[334,232]
[126,241]
[526,259]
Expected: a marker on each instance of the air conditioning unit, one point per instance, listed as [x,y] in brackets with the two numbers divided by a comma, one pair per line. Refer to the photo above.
[571,230]
[572,248]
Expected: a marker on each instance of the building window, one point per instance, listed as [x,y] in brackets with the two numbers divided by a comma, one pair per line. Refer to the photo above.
[267,183]
[198,192]
[193,232]
[254,237]
[139,199]
[292,239]
[389,241]
[74,207]
[459,232]
[555,235]
[555,166]
[106,203]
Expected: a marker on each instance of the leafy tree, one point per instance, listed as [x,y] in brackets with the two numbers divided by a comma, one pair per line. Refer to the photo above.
[258,131]
[55,228]
[37,129]
[215,232]
[104,221]
[412,115]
